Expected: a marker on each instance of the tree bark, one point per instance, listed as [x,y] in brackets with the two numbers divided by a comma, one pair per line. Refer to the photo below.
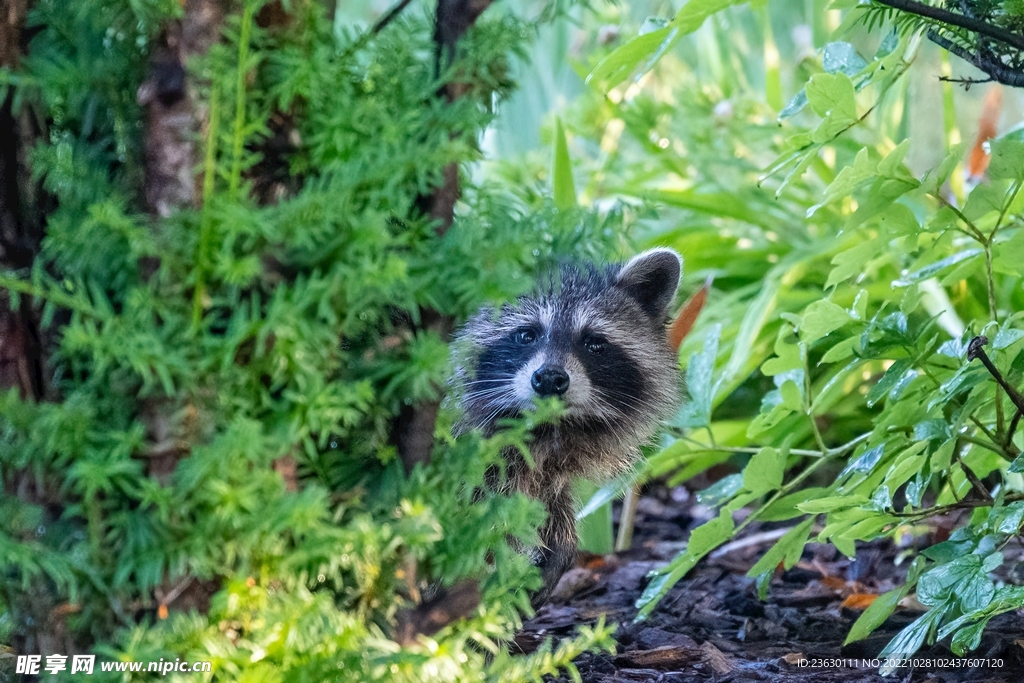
[415,423]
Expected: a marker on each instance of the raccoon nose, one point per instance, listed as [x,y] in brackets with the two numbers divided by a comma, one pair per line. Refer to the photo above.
[550,381]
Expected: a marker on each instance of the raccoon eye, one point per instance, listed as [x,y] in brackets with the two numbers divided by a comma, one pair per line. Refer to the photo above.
[524,336]
[594,344]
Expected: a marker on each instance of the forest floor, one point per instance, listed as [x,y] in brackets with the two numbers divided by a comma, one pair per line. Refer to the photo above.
[712,627]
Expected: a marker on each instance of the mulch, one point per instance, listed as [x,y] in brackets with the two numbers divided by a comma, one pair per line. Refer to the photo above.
[712,627]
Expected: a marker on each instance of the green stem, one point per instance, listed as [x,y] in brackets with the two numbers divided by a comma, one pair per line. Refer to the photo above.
[827,456]
[986,444]
[54,295]
[238,136]
[205,224]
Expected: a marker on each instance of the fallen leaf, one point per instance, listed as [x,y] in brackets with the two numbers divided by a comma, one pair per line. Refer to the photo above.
[859,601]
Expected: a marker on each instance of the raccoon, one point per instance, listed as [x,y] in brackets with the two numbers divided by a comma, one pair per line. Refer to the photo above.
[595,336]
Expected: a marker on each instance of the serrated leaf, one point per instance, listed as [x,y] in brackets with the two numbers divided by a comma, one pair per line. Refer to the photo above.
[765,470]
[849,179]
[1007,160]
[832,96]
[851,262]
[820,319]
[699,383]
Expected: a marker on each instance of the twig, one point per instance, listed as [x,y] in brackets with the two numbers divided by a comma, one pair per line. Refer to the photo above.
[966,82]
[754,539]
[959,505]
[624,539]
[389,16]
[1013,428]
[979,488]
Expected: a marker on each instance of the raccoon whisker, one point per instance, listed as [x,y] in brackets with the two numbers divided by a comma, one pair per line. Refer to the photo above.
[492,380]
[489,394]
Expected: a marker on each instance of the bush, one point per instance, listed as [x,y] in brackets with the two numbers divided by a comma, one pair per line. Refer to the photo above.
[833,367]
[212,473]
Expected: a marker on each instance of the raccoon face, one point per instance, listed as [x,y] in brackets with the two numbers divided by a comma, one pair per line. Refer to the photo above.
[594,337]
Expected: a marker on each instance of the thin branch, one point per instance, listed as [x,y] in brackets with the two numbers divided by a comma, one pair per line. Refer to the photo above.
[976,484]
[976,350]
[966,82]
[389,16]
[959,505]
[997,71]
[945,16]
[985,444]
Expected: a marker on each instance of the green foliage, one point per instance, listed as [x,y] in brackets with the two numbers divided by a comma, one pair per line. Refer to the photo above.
[243,333]
[830,366]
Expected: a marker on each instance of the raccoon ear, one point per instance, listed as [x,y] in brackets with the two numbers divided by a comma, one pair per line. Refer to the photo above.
[652,279]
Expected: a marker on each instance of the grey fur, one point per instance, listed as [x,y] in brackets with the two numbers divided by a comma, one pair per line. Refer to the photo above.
[605,328]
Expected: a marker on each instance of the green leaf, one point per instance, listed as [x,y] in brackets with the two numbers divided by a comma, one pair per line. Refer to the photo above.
[1007,336]
[1008,255]
[710,535]
[787,355]
[875,615]
[699,383]
[984,199]
[694,12]
[841,57]
[703,540]
[787,550]
[794,106]
[722,490]
[765,470]
[786,507]
[563,186]
[851,262]
[618,66]
[911,638]
[841,350]
[830,503]
[897,372]
[848,180]
[968,638]
[595,528]
[820,319]
[832,95]
[1007,159]
[605,494]
[934,268]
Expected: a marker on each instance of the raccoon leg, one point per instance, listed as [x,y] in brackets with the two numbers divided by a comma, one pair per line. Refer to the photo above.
[558,541]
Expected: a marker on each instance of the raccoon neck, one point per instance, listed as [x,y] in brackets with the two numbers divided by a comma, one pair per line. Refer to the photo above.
[561,453]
